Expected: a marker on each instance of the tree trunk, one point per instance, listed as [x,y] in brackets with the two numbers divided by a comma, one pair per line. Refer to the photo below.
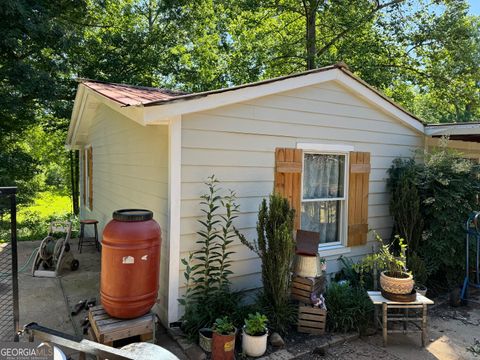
[311,36]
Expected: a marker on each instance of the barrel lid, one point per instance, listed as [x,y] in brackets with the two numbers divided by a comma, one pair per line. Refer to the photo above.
[132,215]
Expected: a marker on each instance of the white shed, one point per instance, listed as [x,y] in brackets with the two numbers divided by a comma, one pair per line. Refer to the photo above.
[154,148]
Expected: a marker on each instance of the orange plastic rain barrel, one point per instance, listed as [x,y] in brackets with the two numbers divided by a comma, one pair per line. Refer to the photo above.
[130,263]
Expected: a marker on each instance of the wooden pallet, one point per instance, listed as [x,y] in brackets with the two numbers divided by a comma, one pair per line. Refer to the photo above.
[311,320]
[302,288]
[106,330]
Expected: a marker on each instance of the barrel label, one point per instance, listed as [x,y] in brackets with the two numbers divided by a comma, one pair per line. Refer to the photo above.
[128,260]
[228,346]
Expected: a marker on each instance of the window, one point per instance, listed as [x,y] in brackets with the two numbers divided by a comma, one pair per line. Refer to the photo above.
[324,194]
[88,177]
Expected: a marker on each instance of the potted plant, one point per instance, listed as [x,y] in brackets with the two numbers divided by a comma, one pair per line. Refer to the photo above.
[205,339]
[223,340]
[255,334]
[394,278]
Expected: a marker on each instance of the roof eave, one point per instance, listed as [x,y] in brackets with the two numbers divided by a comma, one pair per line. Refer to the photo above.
[160,112]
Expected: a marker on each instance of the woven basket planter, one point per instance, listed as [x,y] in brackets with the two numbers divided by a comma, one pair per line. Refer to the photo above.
[397,285]
[307,266]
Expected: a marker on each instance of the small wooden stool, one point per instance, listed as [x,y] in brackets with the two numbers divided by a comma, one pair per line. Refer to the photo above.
[107,330]
[81,237]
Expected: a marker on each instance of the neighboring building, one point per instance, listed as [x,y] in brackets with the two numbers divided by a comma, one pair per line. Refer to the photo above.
[323,138]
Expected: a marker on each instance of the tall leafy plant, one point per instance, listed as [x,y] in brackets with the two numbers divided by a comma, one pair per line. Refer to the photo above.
[275,247]
[207,269]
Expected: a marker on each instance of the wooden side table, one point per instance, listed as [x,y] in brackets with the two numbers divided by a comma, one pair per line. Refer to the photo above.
[414,313]
[106,330]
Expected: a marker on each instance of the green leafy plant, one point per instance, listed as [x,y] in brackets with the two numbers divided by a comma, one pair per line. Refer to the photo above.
[349,307]
[417,266]
[275,247]
[256,324]
[447,186]
[207,272]
[405,202]
[223,326]
[385,259]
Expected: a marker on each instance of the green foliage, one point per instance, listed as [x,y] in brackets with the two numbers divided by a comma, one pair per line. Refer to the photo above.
[349,307]
[447,185]
[275,247]
[223,326]
[385,259]
[202,313]
[350,272]
[256,324]
[417,267]
[405,202]
[207,269]
[33,220]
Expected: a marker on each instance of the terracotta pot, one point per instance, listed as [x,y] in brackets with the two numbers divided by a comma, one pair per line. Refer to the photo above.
[205,339]
[254,346]
[396,285]
[223,346]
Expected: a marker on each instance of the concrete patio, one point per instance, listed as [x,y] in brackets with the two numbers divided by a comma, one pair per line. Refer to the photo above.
[48,301]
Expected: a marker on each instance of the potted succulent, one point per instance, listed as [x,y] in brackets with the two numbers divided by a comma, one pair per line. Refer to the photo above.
[394,278]
[223,340]
[255,334]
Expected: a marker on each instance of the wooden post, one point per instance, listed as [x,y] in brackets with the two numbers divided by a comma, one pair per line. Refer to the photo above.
[424,325]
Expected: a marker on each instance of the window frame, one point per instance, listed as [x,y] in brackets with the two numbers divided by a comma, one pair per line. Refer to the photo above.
[329,149]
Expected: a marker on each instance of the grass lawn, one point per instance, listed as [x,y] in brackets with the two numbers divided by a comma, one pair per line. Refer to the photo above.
[33,220]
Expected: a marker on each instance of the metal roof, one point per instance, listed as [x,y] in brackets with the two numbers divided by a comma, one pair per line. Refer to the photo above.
[129,94]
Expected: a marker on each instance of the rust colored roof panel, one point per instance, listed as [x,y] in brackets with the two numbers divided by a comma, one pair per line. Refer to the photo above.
[130,95]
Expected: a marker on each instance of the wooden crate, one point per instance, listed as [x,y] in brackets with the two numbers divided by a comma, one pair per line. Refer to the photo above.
[302,288]
[311,320]
[106,330]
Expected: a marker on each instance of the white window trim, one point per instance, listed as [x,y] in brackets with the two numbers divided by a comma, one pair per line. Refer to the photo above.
[335,248]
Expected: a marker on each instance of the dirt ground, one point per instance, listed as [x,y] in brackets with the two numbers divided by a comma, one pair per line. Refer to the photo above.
[48,301]
[452,331]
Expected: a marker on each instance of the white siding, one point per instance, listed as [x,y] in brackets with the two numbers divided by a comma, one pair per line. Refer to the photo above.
[237,144]
[130,170]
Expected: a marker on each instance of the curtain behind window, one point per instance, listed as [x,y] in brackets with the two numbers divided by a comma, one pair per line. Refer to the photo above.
[323,179]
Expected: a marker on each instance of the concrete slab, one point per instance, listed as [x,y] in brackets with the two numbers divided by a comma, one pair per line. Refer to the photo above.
[48,301]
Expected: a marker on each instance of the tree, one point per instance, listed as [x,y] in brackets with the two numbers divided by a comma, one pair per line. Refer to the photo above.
[34,78]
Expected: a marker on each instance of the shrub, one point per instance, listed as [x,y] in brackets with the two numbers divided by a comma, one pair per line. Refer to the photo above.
[405,202]
[276,248]
[447,186]
[348,308]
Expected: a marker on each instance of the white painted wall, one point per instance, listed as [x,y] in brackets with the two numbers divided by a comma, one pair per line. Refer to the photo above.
[130,170]
[237,144]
